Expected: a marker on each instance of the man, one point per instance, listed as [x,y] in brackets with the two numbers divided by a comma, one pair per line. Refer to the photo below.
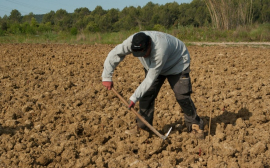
[163,57]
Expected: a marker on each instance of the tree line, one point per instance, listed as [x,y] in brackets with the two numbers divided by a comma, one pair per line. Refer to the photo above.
[221,14]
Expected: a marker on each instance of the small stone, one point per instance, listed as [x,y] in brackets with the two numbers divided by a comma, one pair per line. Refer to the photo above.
[43,160]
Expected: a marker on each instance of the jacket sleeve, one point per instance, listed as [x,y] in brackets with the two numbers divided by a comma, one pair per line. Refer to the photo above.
[114,57]
[155,68]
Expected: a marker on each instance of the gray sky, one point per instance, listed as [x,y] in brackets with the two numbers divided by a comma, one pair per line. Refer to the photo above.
[45,6]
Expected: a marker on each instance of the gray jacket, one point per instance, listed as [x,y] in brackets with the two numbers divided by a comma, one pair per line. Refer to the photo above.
[169,56]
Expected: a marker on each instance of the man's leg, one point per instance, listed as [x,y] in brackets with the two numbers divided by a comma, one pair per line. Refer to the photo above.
[147,102]
[181,85]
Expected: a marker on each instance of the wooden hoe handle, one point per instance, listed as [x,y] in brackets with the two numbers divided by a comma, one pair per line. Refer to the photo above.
[140,117]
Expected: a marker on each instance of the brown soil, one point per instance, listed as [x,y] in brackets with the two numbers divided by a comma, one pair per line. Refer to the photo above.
[56,113]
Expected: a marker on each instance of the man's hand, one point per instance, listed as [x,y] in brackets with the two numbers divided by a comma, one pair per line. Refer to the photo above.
[108,84]
[131,104]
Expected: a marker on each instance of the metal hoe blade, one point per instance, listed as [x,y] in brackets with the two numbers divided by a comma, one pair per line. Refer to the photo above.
[167,134]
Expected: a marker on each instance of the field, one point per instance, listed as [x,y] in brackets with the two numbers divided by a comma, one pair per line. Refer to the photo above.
[56,113]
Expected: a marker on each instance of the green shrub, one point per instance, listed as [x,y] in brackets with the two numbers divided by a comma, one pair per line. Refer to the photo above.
[159,27]
[27,29]
[2,32]
[74,31]
[15,29]
[260,33]
[4,26]
[45,27]
[92,27]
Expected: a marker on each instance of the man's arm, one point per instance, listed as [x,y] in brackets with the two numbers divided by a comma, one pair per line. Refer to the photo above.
[114,57]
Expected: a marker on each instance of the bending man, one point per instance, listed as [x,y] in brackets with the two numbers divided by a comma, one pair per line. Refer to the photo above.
[163,57]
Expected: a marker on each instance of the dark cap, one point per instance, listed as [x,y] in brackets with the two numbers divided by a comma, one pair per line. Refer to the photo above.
[139,44]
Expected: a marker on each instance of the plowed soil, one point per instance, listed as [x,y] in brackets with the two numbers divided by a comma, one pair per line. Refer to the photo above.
[56,113]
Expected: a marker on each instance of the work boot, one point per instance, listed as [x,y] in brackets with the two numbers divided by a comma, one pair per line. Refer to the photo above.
[197,132]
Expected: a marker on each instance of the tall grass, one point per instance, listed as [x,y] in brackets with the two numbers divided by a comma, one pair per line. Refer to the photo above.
[229,14]
[258,33]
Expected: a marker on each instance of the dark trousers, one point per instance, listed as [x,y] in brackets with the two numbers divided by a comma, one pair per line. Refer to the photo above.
[181,85]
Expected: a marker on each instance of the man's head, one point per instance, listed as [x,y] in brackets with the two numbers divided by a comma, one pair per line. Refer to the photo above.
[140,45]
